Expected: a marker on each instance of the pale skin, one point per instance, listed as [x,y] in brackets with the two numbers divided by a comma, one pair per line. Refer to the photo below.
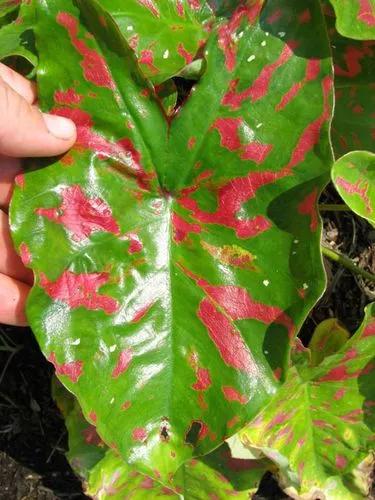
[24,132]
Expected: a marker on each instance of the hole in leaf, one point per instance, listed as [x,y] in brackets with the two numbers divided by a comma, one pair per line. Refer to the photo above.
[193,433]
[164,430]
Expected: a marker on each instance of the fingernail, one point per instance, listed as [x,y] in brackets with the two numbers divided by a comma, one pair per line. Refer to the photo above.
[60,127]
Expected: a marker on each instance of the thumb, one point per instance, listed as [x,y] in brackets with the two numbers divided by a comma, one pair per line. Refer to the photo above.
[25,131]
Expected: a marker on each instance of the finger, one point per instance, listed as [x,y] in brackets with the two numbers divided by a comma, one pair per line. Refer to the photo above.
[10,263]
[9,168]
[25,131]
[13,296]
[17,82]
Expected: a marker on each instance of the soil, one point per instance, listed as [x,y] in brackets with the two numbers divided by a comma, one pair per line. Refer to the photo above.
[32,433]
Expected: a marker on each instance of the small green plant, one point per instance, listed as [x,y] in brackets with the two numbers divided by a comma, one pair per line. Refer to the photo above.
[176,248]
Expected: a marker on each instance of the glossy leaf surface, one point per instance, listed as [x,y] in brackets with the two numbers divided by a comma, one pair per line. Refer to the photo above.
[354,65]
[329,336]
[106,475]
[319,426]
[355,18]
[354,178]
[165,35]
[175,262]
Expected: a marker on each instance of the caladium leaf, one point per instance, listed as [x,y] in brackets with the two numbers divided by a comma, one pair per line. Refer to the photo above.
[354,64]
[175,260]
[319,426]
[355,18]
[165,35]
[329,336]
[354,178]
[104,473]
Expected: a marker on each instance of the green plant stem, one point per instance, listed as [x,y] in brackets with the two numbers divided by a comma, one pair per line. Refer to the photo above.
[332,207]
[346,262]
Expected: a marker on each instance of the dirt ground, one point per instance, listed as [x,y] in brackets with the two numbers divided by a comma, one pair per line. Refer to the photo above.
[32,433]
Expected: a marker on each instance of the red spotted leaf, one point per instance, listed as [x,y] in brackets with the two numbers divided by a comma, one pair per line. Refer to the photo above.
[319,427]
[354,178]
[175,259]
[104,474]
[355,18]
[166,35]
[354,66]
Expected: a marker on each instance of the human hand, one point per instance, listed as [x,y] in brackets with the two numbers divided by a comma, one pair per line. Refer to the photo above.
[24,132]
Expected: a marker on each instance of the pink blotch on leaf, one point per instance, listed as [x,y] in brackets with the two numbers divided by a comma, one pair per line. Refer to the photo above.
[92,416]
[228,130]
[353,416]
[194,4]
[184,53]
[275,16]
[147,58]
[233,421]
[312,73]
[80,290]
[369,330]
[81,215]
[123,150]
[256,152]
[73,369]
[141,313]
[231,197]
[180,8]
[191,143]
[25,254]
[339,394]
[238,304]
[147,483]
[150,5]
[125,406]
[136,244]
[278,419]
[341,462]
[93,64]
[226,41]
[139,434]
[123,363]
[260,86]
[305,16]
[203,380]
[311,135]
[277,373]
[366,12]
[355,188]
[226,338]
[67,97]
[231,394]
[308,206]
[353,55]
[91,436]
[20,181]
[182,229]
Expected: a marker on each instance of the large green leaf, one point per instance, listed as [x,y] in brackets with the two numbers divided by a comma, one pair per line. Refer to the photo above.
[319,427]
[175,262]
[354,178]
[354,63]
[355,18]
